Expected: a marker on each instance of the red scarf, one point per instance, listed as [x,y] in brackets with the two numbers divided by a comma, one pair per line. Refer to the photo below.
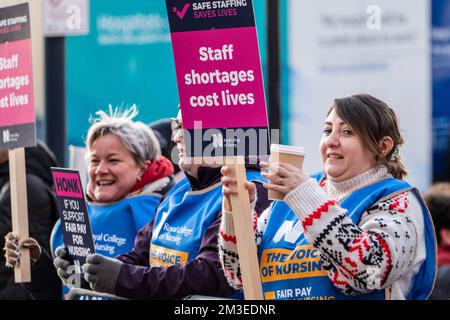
[158,169]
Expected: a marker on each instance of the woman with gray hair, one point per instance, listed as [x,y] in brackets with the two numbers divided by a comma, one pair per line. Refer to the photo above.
[127,179]
[142,162]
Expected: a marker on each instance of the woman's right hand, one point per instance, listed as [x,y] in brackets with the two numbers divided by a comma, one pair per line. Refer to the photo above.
[230,187]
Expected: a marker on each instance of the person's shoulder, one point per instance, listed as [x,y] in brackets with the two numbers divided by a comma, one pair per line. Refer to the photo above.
[399,202]
[37,188]
[36,183]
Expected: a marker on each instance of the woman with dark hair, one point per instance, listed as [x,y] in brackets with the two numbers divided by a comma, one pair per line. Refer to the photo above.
[354,231]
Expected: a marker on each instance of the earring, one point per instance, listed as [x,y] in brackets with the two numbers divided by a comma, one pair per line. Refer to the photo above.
[395,153]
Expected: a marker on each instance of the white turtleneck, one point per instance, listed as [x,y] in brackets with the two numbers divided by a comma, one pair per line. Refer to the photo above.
[340,190]
[394,228]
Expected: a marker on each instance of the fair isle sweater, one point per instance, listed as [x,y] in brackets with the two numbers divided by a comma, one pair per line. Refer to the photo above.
[392,232]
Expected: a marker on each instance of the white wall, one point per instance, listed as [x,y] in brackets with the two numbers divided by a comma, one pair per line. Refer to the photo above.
[335,50]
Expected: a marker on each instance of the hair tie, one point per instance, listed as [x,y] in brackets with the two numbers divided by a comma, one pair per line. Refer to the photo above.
[395,153]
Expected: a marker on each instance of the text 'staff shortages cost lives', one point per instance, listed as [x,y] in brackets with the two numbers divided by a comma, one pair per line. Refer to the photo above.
[17,117]
[219,77]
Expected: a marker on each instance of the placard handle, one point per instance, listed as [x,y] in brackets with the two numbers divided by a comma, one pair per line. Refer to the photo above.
[19,211]
[245,235]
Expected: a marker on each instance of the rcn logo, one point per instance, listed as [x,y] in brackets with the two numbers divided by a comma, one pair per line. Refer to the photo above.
[289,231]
[181,13]
[6,136]
[217,140]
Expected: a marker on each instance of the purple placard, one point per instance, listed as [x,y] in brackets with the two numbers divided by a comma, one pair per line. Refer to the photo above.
[232,88]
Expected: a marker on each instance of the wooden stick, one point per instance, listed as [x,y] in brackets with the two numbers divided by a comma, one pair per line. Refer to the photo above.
[245,235]
[19,211]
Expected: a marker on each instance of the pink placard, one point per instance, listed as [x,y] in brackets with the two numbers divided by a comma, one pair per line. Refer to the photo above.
[16,84]
[67,184]
[240,103]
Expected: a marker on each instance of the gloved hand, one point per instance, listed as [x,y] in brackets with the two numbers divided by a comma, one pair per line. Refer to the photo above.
[102,273]
[12,249]
[62,264]
[66,271]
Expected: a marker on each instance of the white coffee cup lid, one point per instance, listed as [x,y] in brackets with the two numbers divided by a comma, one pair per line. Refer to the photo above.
[287,149]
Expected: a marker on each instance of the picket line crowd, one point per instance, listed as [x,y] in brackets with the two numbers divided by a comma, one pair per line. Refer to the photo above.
[356,230]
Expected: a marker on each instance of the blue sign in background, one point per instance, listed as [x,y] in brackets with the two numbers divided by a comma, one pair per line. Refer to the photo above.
[127,58]
[441,86]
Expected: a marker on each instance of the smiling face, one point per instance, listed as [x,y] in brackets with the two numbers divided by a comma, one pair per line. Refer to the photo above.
[112,169]
[343,154]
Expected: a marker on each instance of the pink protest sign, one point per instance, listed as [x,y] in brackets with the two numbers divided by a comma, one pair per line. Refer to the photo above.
[17,116]
[219,75]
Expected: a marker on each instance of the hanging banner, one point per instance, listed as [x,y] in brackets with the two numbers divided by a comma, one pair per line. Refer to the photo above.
[17,116]
[441,88]
[381,47]
[219,77]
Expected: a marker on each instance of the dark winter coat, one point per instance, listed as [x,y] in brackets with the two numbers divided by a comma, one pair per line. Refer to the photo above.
[137,280]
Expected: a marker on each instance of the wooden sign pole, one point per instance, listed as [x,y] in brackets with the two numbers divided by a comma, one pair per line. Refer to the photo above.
[245,235]
[19,211]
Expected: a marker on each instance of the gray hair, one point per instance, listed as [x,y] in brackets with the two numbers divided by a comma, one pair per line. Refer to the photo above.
[137,137]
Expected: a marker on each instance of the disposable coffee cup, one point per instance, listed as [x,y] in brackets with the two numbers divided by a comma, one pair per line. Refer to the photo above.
[285,154]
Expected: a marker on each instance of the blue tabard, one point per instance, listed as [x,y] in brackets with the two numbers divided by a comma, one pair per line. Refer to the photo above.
[182,219]
[114,226]
[291,268]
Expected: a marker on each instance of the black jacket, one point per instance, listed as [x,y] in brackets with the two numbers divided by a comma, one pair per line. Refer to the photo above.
[202,275]
[42,214]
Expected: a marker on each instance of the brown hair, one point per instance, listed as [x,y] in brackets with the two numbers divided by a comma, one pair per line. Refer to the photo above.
[372,120]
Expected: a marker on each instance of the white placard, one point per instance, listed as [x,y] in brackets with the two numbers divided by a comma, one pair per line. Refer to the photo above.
[380,47]
[66,17]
